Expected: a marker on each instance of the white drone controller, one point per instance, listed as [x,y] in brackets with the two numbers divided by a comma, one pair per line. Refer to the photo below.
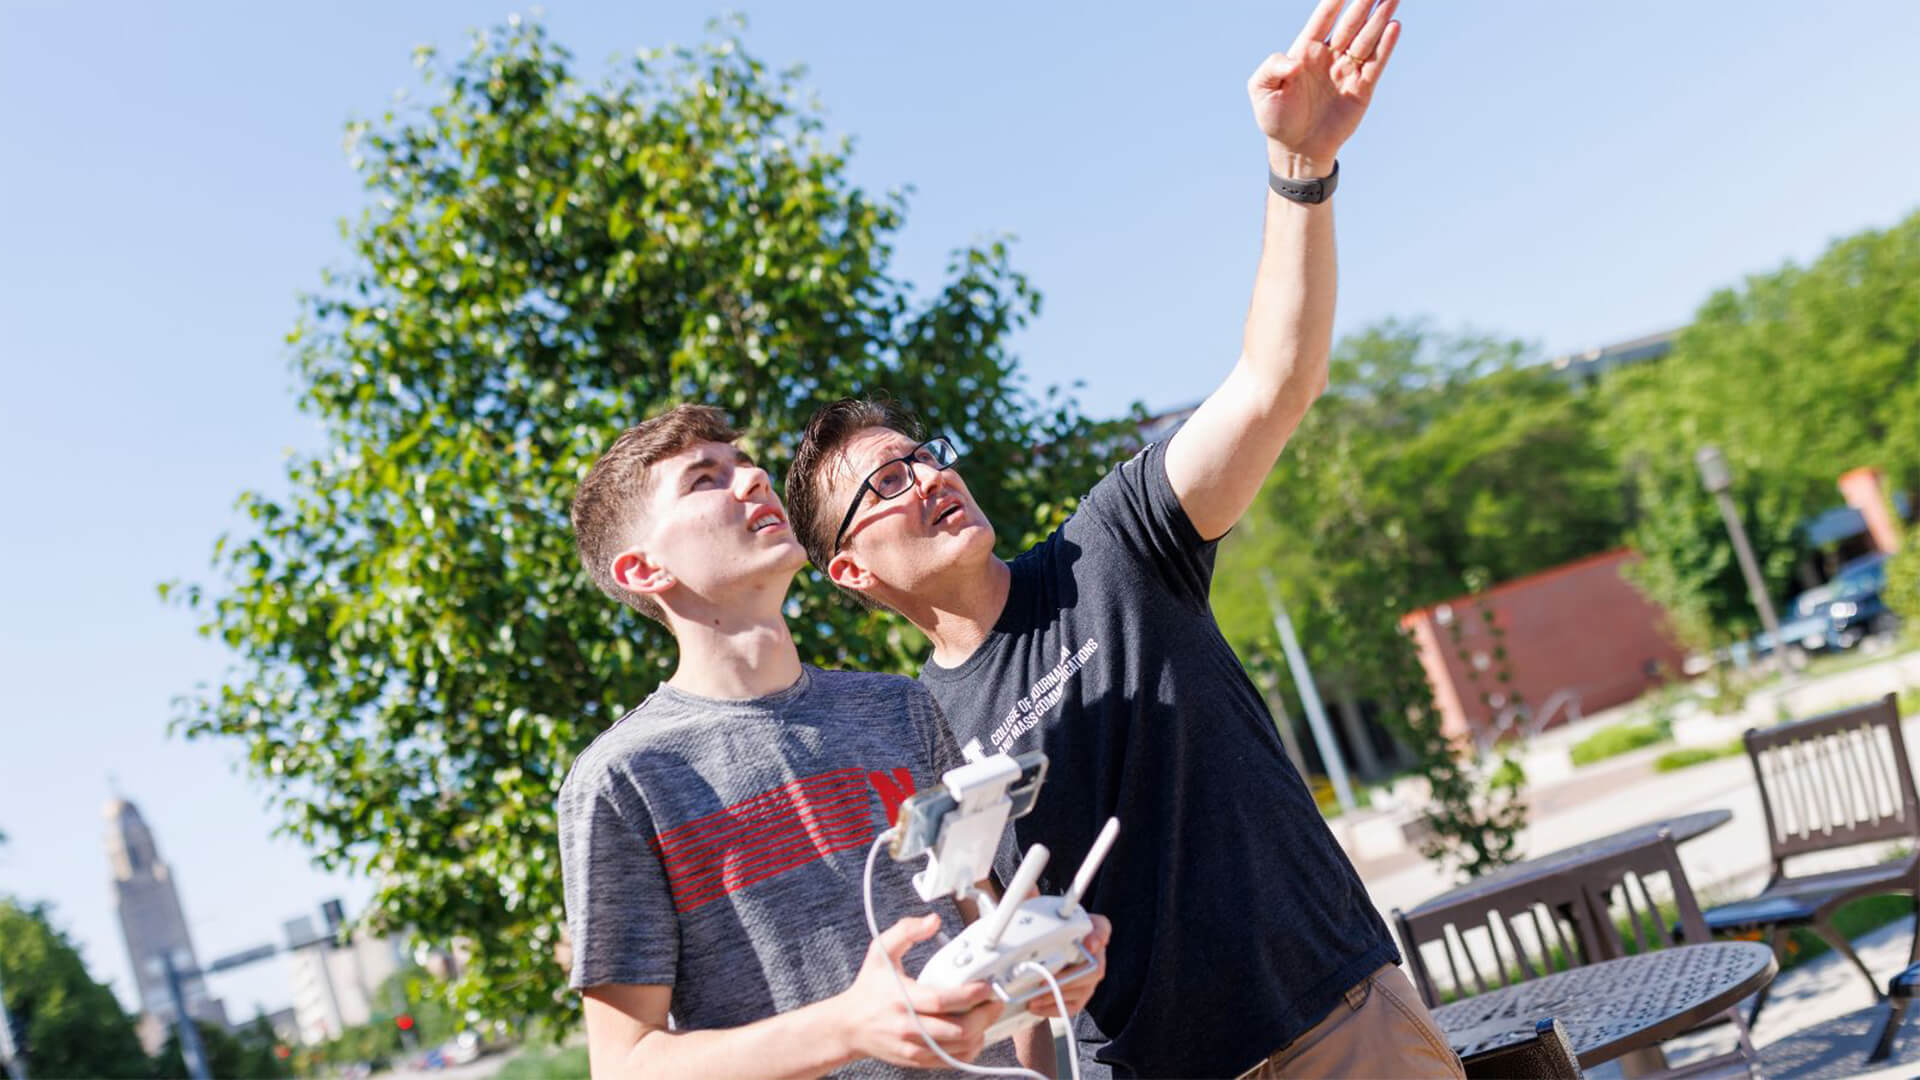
[958,826]
[1047,931]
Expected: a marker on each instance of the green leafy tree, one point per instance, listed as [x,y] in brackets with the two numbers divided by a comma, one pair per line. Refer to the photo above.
[1461,466]
[74,1026]
[1688,566]
[417,657]
[1903,585]
[378,1042]
[417,993]
[1798,375]
[241,1054]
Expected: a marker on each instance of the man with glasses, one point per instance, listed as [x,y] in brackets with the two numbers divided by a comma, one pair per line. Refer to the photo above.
[1246,942]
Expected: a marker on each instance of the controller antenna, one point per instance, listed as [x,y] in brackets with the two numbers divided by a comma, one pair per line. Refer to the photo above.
[1022,883]
[1095,855]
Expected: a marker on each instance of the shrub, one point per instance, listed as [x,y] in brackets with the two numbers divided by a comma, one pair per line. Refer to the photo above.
[1616,740]
[546,1063]
[1685,757]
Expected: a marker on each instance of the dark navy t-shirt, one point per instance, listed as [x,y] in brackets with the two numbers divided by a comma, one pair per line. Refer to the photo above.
[1238,922]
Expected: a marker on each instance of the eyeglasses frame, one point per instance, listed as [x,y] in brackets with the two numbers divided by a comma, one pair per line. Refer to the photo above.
[907,459]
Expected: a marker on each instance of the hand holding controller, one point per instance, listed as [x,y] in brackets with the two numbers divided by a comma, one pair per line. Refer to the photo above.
[1020,950]
[1010,946]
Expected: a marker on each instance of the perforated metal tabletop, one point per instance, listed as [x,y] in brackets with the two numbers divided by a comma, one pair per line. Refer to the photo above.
[1617,1006]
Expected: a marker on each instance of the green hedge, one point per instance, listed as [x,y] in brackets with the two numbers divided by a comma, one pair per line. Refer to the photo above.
[1618,739]
[1689,756]
[546,1063]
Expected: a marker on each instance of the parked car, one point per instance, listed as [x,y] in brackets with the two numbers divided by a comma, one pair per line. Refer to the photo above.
[1803,634]
[1852,604]
[463,1048]
[1832,617]
[1859,606]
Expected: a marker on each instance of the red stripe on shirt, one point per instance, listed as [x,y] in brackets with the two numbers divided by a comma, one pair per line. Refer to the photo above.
[781,848]
[720,828]
[768,834]
[748,805]
[768,817]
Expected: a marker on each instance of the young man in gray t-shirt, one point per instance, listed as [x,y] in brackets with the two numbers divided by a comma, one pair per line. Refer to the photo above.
[714,841]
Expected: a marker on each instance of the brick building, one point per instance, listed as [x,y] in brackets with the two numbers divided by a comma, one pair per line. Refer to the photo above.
[1577,638]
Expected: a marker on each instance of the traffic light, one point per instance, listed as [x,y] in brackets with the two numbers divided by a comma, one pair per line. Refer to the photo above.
[408,1037]
[335,914]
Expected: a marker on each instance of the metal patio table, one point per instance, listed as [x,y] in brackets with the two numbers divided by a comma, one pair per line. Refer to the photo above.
[1683,828]
[1614,1007]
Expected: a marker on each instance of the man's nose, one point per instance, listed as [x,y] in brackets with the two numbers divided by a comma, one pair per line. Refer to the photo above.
[927,479]
[748,479]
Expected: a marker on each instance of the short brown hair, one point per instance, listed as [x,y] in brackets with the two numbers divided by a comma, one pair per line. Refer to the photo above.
[827,435]
[611,503]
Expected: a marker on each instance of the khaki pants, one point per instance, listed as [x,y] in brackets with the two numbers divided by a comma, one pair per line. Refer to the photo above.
[1381,1030]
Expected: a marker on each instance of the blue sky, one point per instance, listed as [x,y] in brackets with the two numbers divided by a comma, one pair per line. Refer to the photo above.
[1573,174]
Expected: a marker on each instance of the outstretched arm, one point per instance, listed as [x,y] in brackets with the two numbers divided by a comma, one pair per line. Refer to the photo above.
[1307,101]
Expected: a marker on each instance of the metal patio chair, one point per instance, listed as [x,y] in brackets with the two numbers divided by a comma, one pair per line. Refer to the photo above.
[1836,781]
[1546,1056]
[1599,910]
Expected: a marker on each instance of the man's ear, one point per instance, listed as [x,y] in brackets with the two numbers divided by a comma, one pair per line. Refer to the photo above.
[845,571]
[634,571]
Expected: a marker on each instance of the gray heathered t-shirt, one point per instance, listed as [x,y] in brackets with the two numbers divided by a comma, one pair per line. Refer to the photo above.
[718,847]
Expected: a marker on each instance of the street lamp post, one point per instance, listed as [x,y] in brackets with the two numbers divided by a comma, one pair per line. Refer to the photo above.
[1718,480]
[1309,696]
[191,1052]
[10,1052]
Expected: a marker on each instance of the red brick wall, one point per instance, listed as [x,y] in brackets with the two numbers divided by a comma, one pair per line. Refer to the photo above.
[1863,490]
[1577,627]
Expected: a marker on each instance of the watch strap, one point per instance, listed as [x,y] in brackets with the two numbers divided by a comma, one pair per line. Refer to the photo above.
[1310,192]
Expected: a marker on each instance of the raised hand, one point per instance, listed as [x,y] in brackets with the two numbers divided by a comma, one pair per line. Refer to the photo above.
[1309,99]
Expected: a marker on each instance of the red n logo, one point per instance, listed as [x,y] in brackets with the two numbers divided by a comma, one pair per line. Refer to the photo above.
[893,789]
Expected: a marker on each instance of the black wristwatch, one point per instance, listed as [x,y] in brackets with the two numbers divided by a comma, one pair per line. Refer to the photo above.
[1310,192]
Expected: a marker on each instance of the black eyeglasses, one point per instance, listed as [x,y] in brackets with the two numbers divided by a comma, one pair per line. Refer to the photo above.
[893,478]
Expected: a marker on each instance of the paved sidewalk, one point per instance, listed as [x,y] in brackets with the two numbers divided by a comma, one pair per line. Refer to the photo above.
[1821,1019]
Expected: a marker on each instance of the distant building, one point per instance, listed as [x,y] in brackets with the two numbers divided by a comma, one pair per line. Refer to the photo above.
[285,1025]
[151,921]
[336,986]
[1161,426]
[1585,367]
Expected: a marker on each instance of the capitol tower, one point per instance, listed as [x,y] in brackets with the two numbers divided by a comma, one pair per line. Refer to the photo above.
[151,921]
